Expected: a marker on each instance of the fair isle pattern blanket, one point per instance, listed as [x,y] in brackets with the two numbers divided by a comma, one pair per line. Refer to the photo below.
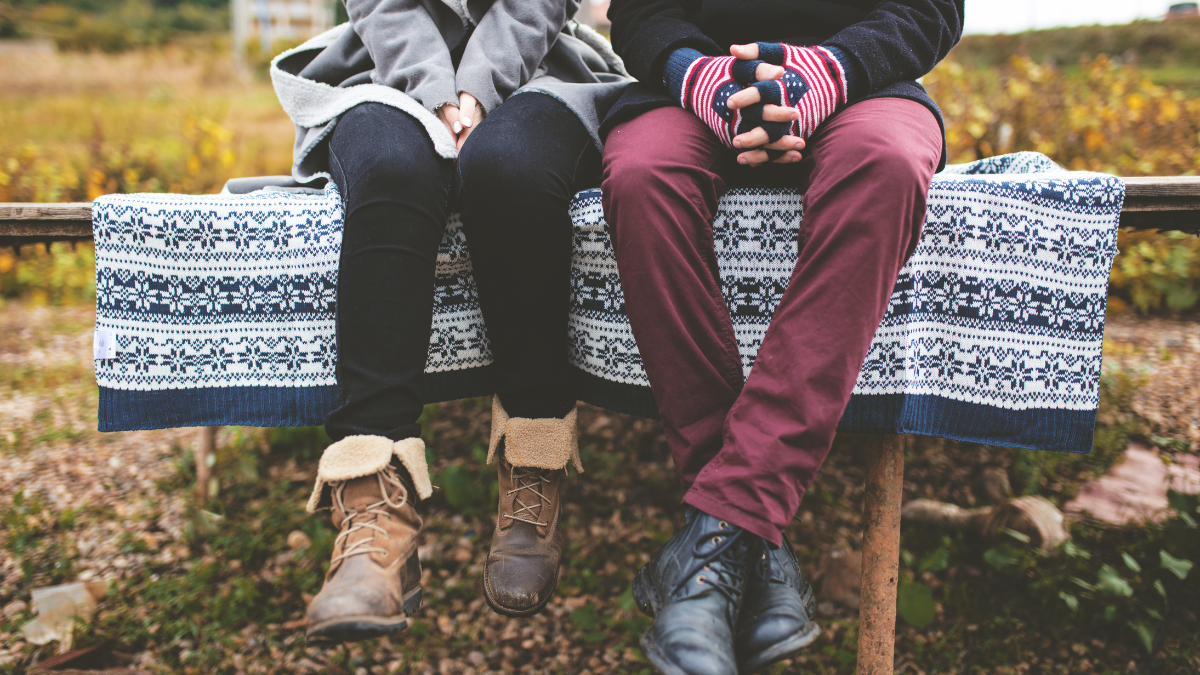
[222,307]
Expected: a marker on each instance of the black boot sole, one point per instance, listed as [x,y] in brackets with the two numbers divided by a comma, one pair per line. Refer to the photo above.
[364,627]
[516,613]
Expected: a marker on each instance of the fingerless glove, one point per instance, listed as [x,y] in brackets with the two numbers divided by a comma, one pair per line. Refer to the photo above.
[814,82]
[703,85]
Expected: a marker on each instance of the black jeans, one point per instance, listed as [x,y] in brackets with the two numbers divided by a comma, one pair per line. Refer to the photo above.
[512,183]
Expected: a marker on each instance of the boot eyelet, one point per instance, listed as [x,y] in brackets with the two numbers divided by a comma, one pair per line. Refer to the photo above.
[700,579]
[723,525]
[716,540]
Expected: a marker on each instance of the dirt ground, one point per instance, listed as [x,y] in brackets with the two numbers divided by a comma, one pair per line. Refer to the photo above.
[218,587]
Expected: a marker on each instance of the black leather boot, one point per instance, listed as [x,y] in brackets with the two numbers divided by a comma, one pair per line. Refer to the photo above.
[693,589]
[776,611]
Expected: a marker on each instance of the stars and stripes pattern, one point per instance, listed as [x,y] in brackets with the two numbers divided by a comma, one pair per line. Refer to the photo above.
[824,82]
[707,86]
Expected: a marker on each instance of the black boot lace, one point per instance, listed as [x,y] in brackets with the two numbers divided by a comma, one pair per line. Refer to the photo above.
[719,568]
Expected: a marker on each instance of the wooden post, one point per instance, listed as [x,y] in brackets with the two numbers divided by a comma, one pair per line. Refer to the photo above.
[205,448]
[881,556]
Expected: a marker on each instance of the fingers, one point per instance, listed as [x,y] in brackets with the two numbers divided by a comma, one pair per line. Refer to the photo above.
[751,71]
[746,97]
[759,136]
[760,157]
[462,137]
[471,113]
[766,71]
[746,52]
[778,113]
[449,115]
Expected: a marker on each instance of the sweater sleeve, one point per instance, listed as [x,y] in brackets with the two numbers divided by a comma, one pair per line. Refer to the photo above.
[508,45]
[407,49]
[646,32]
[901,40]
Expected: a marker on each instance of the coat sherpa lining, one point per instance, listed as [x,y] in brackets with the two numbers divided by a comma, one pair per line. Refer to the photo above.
[358,456]
[541,443]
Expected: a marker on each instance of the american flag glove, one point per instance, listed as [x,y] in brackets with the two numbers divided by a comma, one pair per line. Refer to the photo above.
[707,85]
[814,82]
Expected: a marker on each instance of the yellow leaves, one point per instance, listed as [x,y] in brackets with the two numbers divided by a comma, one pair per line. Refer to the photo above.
[1100,117]
[1168,112]
[7,262]
[1019,89]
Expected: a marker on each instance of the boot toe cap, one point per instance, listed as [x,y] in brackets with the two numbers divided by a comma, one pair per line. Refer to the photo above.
[520,583]
[696,642]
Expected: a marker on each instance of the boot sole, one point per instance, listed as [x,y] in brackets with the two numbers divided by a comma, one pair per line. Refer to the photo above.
[657,659]
[645,594]
[364,627]
[779,651]
[516,613]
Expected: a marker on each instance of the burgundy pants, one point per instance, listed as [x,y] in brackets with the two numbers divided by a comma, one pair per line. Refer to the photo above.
[746,450]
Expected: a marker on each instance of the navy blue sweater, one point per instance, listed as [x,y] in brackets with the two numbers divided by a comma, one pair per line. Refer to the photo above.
[894,43]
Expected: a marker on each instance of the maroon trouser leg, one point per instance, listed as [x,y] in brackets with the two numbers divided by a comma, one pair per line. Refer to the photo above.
[747,451]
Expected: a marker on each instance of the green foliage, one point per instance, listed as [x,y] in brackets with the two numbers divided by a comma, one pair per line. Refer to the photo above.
[1156,273]
[914,603]
[114,25]
[65,274]
[1157,44]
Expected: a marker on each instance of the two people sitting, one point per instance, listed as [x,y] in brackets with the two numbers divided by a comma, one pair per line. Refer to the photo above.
[502,110]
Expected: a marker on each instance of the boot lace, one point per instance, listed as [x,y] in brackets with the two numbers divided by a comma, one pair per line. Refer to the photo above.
[717,567]
[528,480]
[365,519]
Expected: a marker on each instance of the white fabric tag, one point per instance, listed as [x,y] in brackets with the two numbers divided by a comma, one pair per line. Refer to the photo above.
[104,345]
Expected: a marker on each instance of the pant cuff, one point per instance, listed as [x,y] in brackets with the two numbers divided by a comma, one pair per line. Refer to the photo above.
[731,514]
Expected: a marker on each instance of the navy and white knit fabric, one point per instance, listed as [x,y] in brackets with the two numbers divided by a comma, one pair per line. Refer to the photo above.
[222,307]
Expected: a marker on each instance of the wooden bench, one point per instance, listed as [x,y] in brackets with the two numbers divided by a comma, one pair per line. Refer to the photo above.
[1151,203]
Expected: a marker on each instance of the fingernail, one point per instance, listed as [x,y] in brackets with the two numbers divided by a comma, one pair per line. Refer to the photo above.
[737,143]
[458,127]
[466,122]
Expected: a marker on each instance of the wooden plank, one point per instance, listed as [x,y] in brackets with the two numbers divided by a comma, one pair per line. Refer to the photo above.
[1143,187]
[38,222]
[1151,203]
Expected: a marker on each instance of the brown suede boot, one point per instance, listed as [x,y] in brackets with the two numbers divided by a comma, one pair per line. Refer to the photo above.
[374,578]
[522,568]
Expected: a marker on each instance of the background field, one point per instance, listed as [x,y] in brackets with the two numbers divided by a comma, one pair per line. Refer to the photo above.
[153,103]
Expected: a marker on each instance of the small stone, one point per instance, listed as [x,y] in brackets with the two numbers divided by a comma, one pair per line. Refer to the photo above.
[528,644]
[14,608]
[297,540]
[476,658]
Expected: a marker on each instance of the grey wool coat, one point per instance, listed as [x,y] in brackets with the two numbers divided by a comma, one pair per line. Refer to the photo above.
[403,53]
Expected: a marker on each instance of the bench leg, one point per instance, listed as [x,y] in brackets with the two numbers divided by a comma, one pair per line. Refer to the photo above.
[205,448]
[881,556]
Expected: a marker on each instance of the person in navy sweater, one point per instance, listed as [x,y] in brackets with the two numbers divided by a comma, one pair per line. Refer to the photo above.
[820,95]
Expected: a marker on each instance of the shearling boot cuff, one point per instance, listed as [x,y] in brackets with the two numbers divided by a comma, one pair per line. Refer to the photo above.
[358,456]
[539,443]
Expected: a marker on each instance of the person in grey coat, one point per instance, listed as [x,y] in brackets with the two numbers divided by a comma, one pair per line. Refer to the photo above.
[414,107]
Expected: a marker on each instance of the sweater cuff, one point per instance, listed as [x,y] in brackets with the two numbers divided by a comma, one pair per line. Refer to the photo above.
[857,84]
[676,69]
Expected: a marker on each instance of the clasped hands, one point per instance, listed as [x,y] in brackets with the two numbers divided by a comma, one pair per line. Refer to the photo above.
[461,119]
[765,99]
[755,143]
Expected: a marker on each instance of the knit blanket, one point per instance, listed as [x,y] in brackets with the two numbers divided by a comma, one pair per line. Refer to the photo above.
[219,309]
